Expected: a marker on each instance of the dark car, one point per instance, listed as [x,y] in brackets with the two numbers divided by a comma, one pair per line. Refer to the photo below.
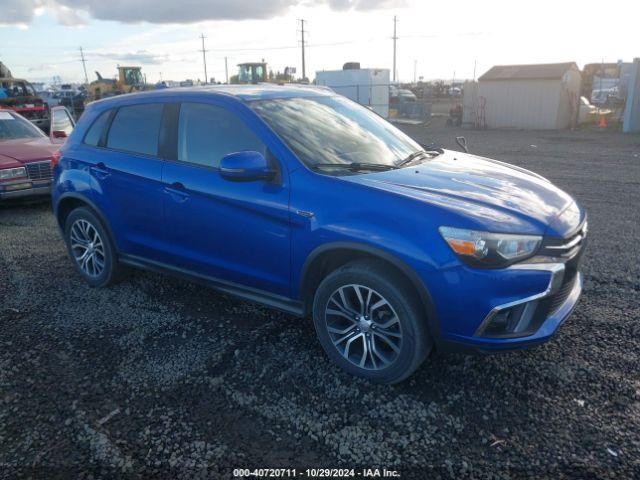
[26,153]
[310,203]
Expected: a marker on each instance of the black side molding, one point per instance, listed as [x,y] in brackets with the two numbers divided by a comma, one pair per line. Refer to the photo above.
[271,300]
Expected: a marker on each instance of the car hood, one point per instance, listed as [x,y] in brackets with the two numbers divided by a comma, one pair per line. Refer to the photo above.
[493,194]
[8,162]
[22,150]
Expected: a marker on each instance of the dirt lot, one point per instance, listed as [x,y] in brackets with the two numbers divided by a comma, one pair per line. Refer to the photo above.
[158,376]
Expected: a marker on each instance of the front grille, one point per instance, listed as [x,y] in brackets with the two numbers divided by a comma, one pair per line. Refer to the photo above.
[39,170]
[549,305]
[570,250]
[557,299]
[565,247]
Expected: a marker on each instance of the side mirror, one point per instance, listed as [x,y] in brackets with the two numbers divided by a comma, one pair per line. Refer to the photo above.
[245,166]
[462,142]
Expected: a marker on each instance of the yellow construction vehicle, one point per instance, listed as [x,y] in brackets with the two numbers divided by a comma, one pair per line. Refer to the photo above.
[130,79]
[257,72]
[251,72]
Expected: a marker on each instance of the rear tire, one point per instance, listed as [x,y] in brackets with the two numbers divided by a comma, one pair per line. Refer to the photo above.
[370,323]
[90,248]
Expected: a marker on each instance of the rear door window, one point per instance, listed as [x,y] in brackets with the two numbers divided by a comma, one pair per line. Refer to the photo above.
[136,128]
[206,133]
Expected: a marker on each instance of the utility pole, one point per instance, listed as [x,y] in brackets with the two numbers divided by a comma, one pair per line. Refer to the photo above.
[84,66]
[415,71]
[304,70]
[204,59]
[226,69]
[395,38]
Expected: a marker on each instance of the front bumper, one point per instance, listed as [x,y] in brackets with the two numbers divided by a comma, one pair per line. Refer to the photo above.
[544,331]
[535,298]
[27,189]
[512,308]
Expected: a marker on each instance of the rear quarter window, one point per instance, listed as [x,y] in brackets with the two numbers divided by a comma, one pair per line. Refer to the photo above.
[94,134]
[136,129]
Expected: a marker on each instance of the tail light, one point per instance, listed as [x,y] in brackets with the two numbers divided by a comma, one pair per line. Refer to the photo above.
[55,158]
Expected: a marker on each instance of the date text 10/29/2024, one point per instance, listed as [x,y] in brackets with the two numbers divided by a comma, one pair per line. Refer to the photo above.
[315,473]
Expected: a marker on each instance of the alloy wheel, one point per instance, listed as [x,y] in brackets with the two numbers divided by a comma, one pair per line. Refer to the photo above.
[87,248]
[363,327]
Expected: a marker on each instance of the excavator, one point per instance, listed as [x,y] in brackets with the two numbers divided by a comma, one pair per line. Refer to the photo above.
[130,79]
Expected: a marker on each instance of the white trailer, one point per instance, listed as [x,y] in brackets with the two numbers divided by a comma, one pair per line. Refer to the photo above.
[367,86]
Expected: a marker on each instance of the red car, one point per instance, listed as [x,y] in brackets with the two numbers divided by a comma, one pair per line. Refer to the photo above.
[26,153]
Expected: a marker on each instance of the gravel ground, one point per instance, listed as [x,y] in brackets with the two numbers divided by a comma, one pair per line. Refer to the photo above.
[158,377]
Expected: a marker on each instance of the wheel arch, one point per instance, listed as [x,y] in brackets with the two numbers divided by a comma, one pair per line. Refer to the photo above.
[327,258]
[69,202]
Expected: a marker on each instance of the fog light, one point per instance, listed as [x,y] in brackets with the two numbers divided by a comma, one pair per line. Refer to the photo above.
[510,321]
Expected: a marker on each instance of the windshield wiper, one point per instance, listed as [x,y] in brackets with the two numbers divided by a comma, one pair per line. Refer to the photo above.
[356,166]
[428,149]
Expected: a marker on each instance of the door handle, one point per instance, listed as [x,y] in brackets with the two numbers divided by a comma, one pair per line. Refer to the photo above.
[177,191]
[100,171]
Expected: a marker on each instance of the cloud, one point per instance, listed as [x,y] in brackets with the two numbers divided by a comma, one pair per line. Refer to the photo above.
[71,12]
[364,5]
[178,11]
[42,67]
[139,57]
[18,11]
[67,16]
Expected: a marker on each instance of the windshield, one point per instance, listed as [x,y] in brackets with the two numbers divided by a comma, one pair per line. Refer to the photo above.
[333,129]
[133,76]
[13,127]
[250,73]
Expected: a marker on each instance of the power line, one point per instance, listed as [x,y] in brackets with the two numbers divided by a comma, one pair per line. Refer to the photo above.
[204,58]
[84,66]
[395,38]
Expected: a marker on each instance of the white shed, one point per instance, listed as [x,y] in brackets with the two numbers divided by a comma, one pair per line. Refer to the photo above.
[544,97]
[367,86]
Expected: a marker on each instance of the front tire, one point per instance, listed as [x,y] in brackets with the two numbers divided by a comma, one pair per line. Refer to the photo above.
[90,248]
[370,323]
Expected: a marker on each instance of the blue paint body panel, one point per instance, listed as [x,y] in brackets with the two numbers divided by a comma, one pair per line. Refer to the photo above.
[262,234]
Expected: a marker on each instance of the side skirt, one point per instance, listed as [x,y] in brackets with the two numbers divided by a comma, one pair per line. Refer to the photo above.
[277,302]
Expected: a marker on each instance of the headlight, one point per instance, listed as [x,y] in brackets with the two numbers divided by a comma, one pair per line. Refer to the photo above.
[490,250]
[9,173]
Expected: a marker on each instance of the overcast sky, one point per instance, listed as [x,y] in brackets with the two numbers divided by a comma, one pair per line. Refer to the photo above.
[40,38]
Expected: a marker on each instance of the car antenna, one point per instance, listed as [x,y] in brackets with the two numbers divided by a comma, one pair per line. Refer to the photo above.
[462,142]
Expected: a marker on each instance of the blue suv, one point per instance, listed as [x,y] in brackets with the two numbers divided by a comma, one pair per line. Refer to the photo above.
[307,202]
